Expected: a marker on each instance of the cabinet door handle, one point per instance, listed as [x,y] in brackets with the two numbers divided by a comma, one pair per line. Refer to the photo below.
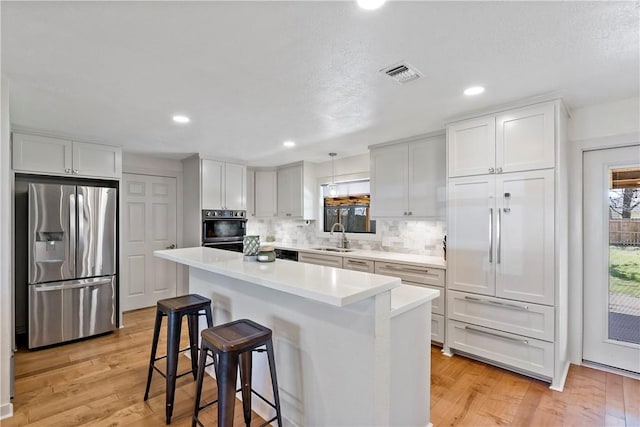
[404,213]
[502,304]
[67,170]
[499,234]
[409,270]
[353,261]
[490,235]
[75,171]
[499,170]
[491,170]
[504,337]
[410,213]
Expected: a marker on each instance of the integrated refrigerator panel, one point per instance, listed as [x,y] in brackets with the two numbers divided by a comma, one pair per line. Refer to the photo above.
[96,254]
[52,217]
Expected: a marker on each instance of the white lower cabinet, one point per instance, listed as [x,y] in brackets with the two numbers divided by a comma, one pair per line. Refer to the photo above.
[320,259]
[426,277]
[510,350]
[532,320]
[437,328]
[365,265]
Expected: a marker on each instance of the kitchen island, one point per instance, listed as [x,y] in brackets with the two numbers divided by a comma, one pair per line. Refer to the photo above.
[351,348]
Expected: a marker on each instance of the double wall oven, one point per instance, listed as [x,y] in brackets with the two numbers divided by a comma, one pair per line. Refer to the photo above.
[224,229]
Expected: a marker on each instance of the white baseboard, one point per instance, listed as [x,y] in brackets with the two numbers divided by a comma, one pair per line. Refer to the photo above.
[6,411]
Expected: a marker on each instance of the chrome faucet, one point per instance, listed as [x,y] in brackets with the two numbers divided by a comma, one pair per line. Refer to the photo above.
[343,242]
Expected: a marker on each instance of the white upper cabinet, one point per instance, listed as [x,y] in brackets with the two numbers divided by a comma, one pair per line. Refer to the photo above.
[266,201]
[251,193]
[389,181]
[296,191]
[517,140]
[408,179]
[40,154]
[96,160]
[525,139]
[223,185]
[472,146]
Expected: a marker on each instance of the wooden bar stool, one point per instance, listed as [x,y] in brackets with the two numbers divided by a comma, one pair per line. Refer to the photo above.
[192,306]
[231,346]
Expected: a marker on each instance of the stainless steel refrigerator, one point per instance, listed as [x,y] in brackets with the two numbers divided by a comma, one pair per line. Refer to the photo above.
[72,262]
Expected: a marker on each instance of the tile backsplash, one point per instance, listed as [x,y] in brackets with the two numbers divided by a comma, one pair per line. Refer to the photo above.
[416,237]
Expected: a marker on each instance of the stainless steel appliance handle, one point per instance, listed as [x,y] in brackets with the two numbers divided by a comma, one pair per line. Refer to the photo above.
[504,337]
[503,304]
[490,235]
[80,248]
[499,233]
[71,252]
[45,288]
[410,270]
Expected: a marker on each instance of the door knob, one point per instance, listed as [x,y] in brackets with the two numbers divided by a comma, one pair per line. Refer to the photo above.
[171,246]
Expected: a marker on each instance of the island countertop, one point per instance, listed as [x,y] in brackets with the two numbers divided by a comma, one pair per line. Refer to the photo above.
[329,285]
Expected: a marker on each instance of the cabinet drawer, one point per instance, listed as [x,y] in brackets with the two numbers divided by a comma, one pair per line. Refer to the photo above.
[365,265]
[319,259]
[519,352]
[527,319]
[437,305]
[437,328]
[411,273]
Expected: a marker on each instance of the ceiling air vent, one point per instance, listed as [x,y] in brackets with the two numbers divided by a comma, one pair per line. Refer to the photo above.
[402,72]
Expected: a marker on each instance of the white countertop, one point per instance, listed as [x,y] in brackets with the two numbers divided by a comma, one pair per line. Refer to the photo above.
[417,260]
[406,297]
[329,285]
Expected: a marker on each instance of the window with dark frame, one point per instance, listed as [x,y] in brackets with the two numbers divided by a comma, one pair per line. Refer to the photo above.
[352,211]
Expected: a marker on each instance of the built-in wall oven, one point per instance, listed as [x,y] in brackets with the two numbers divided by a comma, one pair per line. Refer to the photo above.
[224,229]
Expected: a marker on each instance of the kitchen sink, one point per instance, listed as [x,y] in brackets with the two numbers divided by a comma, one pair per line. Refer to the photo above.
[333,249]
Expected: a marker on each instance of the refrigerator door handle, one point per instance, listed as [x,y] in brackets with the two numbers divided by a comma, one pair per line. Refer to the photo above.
[71,254]
[80,256]
[83,284]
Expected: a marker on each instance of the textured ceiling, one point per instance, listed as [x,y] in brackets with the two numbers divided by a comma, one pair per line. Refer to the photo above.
[252,74]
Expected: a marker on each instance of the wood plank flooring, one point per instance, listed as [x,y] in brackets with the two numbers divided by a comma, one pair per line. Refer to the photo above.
[101,381]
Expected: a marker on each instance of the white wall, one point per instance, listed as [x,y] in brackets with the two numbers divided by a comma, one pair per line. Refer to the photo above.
[604,120]
[6,288]
[608,125]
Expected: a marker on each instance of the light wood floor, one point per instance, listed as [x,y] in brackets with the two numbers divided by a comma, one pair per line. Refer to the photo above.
[100,382]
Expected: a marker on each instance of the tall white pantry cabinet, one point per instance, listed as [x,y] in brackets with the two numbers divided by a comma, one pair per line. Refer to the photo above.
[507,240]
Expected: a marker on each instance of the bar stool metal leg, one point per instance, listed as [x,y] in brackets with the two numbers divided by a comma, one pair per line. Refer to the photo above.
[227,370]
[201,364]
[274,380]
[173,349]
[154,348]
[192,324]
[245,381]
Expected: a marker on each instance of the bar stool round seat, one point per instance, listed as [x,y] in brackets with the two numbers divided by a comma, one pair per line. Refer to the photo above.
[193,306]
[231,346]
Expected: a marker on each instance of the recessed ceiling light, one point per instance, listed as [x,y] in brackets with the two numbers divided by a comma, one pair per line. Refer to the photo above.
[473,90]
[181,119]
[370,4]
[289,144]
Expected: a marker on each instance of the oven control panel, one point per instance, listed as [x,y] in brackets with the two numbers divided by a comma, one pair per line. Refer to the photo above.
[221,214]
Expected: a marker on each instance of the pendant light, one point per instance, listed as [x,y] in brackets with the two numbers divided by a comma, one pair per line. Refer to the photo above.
[333,188]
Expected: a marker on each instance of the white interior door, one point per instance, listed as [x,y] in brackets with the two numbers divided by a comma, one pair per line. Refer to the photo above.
[611,218]
[149,223]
